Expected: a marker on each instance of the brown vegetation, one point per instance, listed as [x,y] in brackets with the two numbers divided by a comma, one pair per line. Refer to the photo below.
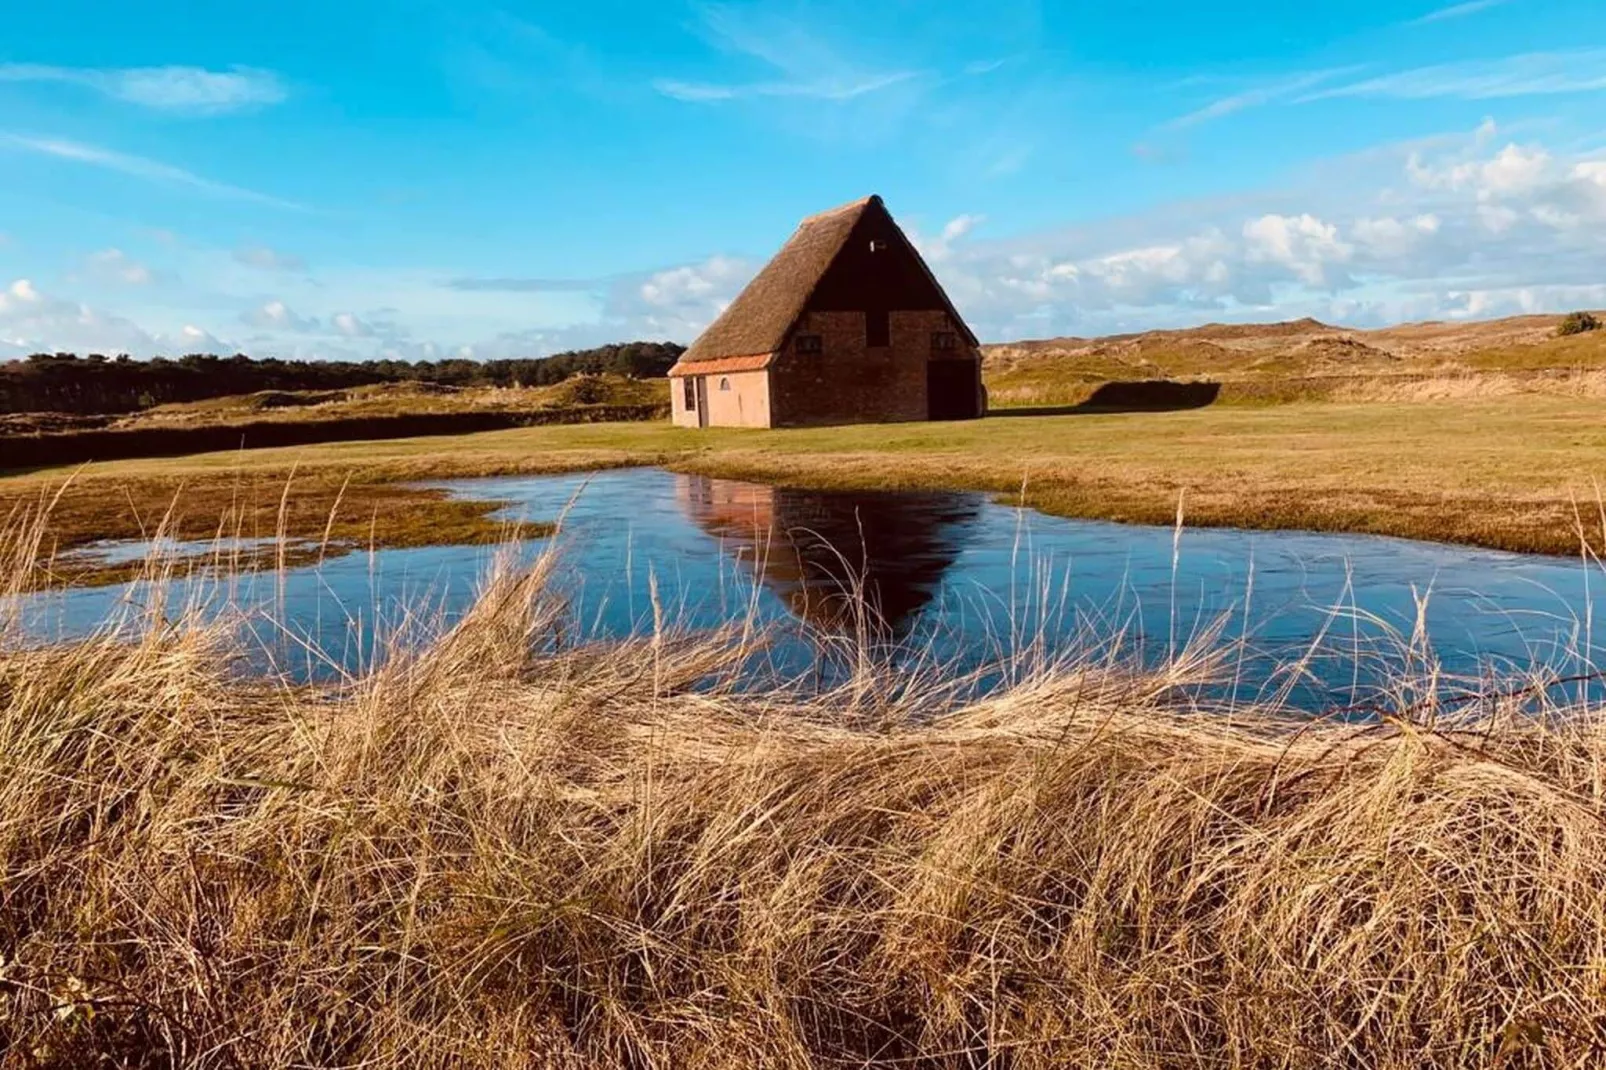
[314,513]
[302,418]
[504,851]
[1300,360]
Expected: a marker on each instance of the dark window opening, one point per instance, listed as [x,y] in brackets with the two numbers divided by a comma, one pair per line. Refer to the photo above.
[877,328]
[944,342]
[691,394]
[808,343]
[724,384]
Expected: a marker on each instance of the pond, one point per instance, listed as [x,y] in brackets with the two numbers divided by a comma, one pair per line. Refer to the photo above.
[953,579]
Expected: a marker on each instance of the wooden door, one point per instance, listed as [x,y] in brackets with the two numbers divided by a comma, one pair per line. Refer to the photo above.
[702,401]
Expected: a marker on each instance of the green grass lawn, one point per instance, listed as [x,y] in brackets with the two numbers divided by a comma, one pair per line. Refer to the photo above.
[1514,472]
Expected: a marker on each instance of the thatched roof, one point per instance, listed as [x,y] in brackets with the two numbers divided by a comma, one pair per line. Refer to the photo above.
[757,321]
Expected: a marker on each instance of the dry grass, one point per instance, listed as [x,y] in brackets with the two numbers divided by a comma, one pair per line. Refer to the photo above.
[321,512]
[399,399]
[1519,472]
[503,851]
[1303,361]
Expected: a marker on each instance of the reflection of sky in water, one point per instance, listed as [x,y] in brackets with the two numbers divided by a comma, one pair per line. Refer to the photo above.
[961,578]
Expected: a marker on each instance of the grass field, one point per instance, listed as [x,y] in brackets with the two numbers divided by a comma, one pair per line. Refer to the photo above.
[1515,472]
[504,851]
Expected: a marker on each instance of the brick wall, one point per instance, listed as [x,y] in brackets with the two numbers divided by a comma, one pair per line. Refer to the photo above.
[849,382]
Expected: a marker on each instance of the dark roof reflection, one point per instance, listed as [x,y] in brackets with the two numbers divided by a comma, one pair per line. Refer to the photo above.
[818,550]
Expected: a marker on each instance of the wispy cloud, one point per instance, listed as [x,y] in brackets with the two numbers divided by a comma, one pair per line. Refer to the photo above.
[830,89]
[476,284]
[1531,74]
[265,258]
[114,265]
[985,66]
[1456,11]
[191,90]
[1010,162]
[138,167]
[806,65]
[1259,96]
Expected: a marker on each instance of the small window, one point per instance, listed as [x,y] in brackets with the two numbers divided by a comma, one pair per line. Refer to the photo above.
[877,328]
[691,394]
[724,384]
[808,343]
[944,342]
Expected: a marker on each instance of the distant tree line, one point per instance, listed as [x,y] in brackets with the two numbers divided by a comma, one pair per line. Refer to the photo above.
[65,382]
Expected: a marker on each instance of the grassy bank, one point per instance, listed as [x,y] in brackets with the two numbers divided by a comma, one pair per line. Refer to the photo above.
[1516,472]
[477,855]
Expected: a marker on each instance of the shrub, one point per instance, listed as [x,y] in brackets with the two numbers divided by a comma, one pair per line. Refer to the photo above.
[1578,323]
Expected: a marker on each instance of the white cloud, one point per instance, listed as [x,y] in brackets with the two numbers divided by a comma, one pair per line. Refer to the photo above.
[18,294]
[349,325]
[679,302]
[34,322]
[278,316]
[961,225]
[1531,74]
[806,66]
[187,90]
[137,166]
[1514,169]
[114,265]
[193,339]
[267,259]
[938,249]
[1462,226]
[1391,236]
[824,89]
[1305,245]
[1259,96]
[1456,11]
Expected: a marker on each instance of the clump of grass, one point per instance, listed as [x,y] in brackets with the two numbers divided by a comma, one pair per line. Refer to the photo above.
[503,850]
[1577,323]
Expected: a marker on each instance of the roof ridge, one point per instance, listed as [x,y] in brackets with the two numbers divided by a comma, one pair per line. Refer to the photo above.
[862,202]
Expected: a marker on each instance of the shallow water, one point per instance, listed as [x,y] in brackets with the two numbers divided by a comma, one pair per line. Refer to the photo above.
[132,551]
[957,578]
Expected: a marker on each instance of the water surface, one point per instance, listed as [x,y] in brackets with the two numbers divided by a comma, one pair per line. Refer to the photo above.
[951,577]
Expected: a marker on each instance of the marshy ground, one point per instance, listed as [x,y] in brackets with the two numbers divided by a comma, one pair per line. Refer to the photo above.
[1517,472]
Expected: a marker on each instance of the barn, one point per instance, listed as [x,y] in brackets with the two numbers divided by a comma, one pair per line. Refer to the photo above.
[846,325]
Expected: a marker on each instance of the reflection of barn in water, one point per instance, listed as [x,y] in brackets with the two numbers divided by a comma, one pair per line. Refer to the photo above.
[817,549]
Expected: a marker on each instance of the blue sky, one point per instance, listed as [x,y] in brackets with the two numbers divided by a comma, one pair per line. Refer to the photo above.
[417,179]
